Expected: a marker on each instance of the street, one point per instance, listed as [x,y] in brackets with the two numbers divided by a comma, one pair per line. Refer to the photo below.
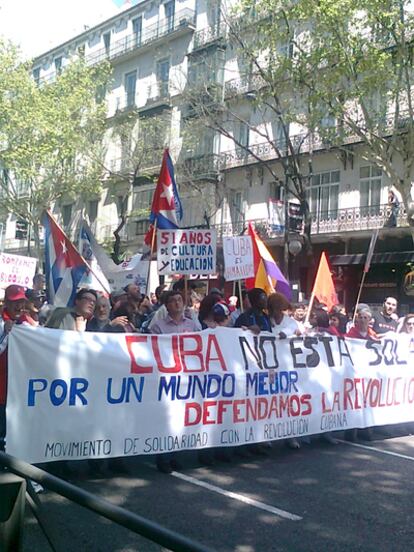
[353,497]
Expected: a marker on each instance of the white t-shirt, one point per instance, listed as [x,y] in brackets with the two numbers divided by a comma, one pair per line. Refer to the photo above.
[288,326]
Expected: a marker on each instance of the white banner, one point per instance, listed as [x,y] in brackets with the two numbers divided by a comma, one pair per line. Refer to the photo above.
[16,269]
[238,258]
[130,271]
[83,395]
[186,251]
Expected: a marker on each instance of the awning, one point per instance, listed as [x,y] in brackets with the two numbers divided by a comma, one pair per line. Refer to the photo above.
[377,258]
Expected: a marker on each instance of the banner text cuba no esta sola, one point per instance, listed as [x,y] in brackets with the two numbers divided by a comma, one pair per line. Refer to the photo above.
[75,396]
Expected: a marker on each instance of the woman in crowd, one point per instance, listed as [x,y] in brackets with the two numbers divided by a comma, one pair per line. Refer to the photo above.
[282,324]
[408,324]
[205,313]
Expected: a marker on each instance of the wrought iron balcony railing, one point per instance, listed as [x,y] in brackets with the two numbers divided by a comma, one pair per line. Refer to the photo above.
[208,35]
[268,150]
[184,19]
[201,166]
[123,103]
[356,218]
[340,220]
[157,92]
[243,85]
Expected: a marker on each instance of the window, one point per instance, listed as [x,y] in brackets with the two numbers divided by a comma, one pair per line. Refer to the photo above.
[278,191]
[169,8]
[130,88]
[163,76]
[107,42]
[141,205]
[242,134]
[370,181]
[278,134]
[141,202]
[81,51]
[323,195]
[137,30]
[198,72]
[141,227]
[93,210]
[236,207]
[205,144]
[58,65]
[66,215]
[36,75]
[214,14]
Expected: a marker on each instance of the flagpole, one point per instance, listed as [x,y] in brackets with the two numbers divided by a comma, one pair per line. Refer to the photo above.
[154,235]
[312,299]
[108,291]
[240,296]
[361,285]
[366,268]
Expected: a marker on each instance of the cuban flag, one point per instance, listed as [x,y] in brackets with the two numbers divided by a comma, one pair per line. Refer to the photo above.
[65,267]
[166,208]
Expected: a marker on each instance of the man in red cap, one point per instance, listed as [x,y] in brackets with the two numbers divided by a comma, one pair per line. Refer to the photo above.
[13,312]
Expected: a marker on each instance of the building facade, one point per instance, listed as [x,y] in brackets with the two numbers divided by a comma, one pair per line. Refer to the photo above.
[163,51]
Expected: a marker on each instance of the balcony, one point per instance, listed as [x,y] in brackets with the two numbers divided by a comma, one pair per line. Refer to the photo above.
[207,36]
[266,151]
[123,104]
[181,23]
[341,220]
[355,218]
[243,85]
[201,167]
[158,97]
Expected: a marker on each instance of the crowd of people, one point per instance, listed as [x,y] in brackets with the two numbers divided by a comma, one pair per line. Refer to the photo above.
[173,311]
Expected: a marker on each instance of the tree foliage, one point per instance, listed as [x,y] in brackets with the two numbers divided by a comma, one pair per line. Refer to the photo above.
[351,64]
[49,135]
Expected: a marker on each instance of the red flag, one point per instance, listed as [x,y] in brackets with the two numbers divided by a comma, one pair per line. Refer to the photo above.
[323,288]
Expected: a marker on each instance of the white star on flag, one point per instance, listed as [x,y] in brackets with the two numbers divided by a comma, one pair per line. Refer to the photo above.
[167,193]
[64,248]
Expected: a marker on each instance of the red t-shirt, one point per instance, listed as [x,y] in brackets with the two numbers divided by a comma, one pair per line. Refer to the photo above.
[354,332]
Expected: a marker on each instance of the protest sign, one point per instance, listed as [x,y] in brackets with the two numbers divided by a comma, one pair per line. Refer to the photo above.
[222,387]
[238,258]
[16,269]
[186,251]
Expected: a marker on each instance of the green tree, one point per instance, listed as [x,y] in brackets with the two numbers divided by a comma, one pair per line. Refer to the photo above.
[140,142]
[352,61]
[257,110]
[50,136]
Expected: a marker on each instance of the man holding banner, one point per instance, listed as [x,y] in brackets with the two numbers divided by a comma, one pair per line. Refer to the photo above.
[174,323]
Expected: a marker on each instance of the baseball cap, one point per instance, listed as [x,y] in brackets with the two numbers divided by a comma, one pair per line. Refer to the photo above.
[14,293]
